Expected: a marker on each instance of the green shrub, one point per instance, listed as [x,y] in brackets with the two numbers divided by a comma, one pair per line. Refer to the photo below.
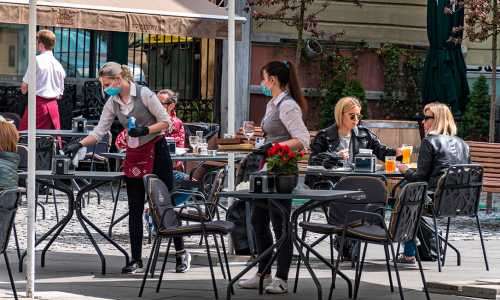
[475,122]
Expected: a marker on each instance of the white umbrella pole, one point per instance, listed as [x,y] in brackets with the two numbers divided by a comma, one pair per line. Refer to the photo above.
[231,97]
[30,271]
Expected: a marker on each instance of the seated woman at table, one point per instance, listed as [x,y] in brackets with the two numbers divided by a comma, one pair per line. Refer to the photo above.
[439,149]
[126,100]
[342,140]
[283,124]
[9,159]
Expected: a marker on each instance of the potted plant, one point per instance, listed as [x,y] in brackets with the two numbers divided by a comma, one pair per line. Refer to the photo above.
[282,162]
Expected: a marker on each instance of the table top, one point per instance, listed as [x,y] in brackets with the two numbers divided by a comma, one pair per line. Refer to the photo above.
[317,195]
[343,172]
[99,175]
[56,132]
[185,157]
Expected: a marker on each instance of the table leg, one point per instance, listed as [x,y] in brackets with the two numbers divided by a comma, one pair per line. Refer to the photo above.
[84,220]
[59,226]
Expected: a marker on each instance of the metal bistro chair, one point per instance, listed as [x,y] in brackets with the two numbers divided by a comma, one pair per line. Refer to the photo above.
[458,193]
[403,227]
[45,151]
[168,226]
[375,189]
[8,207]
[209,206]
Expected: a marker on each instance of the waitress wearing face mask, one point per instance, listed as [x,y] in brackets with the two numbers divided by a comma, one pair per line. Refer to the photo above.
[281,124]
[147,151]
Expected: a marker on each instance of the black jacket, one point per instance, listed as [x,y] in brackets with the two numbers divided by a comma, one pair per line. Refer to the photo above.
[437,153]
[328,139]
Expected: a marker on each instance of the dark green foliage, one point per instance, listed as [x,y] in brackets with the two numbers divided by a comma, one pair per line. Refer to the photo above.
[337,80]
[475,123]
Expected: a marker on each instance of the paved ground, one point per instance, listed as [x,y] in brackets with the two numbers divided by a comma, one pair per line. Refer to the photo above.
[72,270]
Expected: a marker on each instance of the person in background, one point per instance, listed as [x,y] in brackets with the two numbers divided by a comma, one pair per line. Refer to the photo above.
[342,140]
[49,84]
[440,149]
[126,100]
[283,124]
[9,159]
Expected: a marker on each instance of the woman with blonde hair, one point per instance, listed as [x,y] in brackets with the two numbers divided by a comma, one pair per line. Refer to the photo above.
[342,140]
[9,159]
[133,103]
[440,149]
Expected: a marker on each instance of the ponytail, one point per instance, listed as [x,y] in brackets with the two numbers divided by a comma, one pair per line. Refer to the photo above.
[287,77]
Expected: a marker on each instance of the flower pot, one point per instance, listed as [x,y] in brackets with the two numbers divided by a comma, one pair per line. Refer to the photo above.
[286,183]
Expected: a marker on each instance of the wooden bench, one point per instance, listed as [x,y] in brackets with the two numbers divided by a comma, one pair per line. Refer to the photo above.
[488,156]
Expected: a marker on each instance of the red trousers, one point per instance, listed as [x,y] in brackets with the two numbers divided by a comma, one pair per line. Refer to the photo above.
[47,115]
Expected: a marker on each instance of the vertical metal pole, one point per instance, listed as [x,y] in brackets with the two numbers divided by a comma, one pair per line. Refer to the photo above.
[231,99]
[30,270]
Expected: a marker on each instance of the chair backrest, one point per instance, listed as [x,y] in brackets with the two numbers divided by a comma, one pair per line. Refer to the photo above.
[12,116]
[8,208]
[160,202]
[373,187]
[458,191]
[407,212]
[45,150]
[217,185]
[22,151]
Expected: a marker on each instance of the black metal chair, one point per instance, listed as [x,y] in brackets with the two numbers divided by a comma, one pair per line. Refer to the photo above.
[374,188]
[45,150]
[372,229]
[8,207]
[168,224]
[458,193]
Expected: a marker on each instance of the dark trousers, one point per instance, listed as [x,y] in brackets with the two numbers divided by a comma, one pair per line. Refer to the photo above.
[136,196]
[261,215]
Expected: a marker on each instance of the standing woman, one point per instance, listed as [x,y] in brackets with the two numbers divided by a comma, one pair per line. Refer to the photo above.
[149,155]
[281,124]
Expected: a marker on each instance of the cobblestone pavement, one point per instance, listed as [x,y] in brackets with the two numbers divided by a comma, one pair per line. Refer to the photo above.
[73,236]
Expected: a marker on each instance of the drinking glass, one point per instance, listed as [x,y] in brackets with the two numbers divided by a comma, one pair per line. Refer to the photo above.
[199,134]
[406,151]
[203,146]
[193,141]
[248,129]
[390,164]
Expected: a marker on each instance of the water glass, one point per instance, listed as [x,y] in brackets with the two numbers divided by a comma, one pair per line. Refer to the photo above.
[199,134]
[193,141]
[248,129]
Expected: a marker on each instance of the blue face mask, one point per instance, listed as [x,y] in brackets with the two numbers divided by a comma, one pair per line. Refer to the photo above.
[265,90]
[113,90]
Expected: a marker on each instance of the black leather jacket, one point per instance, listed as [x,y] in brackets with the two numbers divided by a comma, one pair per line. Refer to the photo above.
[328,139]
[437,153]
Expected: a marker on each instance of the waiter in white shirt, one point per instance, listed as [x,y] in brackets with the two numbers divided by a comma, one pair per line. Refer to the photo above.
[49,84]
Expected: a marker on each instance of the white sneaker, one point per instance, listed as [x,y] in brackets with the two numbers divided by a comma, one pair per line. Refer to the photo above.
[253,282]
[278,286]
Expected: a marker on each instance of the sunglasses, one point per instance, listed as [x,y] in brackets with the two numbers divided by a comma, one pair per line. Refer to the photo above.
[353,116]
[428,118]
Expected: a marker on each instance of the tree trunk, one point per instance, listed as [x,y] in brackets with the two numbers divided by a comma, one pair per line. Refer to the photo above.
[493,76]
[300,35]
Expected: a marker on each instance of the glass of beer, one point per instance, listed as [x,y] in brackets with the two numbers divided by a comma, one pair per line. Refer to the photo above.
[390,164]
[406,150]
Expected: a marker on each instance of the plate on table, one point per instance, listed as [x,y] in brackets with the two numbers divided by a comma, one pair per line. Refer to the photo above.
[181,151]
[342,169]
[316,168]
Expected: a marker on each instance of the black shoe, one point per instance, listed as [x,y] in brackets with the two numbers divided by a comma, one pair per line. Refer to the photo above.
[133,267]
[182,262]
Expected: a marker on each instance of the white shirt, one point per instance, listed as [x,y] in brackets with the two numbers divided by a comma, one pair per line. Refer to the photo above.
[49,76]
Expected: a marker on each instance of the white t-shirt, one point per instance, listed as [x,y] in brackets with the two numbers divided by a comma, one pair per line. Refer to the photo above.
[50,76]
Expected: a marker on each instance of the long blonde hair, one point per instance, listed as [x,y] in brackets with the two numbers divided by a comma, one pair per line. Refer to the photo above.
[344,104]
[443,119]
